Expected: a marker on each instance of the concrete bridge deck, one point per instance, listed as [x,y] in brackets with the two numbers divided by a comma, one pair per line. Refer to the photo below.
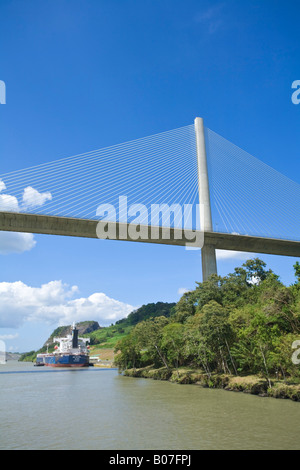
[65,226]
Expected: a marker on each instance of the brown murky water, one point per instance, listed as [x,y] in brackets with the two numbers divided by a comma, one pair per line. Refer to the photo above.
[42,408]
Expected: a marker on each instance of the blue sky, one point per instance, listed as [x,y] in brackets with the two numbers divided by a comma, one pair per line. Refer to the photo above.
[85,74]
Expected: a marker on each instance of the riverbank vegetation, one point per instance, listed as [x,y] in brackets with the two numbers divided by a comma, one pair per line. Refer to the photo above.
[240,325]
[252,384]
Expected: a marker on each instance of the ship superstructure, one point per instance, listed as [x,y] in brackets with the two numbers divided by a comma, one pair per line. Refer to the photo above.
[71,352]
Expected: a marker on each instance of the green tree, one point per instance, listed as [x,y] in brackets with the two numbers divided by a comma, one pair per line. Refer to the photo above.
[278,303]
[256,272]
[172,344]
[196,348]
[128,352]
[256,342]
[215,327]
[149,334]
[281,357]
[185,307]
[234,287]
[297,271]
[207,291]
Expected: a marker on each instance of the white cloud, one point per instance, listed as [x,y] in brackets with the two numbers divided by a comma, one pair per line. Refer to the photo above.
[182,290]
[51,303]
[254,280]
[8,203]
[12,242]
[7,337]
[2,185]
[33,198]
[227,255]
[15,242]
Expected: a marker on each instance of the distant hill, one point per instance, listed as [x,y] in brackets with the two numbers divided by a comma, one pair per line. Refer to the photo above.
[106,337]
[84,328]
[148,311]
[12,356]
[109,336]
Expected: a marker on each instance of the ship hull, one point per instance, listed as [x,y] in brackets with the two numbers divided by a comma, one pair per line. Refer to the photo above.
[66,365]
[66,360]
[72,352]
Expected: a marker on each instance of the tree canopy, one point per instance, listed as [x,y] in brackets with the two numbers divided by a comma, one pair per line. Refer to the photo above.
[242,323]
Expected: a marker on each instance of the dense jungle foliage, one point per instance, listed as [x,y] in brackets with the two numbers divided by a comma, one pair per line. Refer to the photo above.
[243,323]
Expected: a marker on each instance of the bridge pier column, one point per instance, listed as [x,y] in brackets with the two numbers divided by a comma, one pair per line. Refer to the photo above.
[209,262]
[208,252]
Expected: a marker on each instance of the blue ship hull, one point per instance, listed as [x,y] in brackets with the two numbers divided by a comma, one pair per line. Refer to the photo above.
[66,360]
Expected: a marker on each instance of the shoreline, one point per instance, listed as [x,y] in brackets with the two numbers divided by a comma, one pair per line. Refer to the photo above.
[251,384]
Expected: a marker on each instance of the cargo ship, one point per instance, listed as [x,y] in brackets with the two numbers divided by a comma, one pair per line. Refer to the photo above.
[71,352]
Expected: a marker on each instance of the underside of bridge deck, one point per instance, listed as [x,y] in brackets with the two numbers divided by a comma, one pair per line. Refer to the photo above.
[41,224]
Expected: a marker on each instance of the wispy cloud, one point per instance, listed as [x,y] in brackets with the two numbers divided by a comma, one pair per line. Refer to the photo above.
[7,337]
[224,255]
[182,290]
[211,18]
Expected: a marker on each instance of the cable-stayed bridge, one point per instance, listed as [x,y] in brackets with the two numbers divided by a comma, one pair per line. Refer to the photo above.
[187,187]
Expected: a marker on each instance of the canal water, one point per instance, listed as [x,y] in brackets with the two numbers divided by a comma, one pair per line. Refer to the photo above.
[92,408]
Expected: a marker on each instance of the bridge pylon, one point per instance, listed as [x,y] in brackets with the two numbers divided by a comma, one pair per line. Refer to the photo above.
[208,252]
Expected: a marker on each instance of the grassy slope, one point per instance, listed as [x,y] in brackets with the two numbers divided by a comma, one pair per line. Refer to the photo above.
[107,338]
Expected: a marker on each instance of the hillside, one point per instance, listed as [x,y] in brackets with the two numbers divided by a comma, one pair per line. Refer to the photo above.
[109,336]
[84,328]
[148,311]
[105,338]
